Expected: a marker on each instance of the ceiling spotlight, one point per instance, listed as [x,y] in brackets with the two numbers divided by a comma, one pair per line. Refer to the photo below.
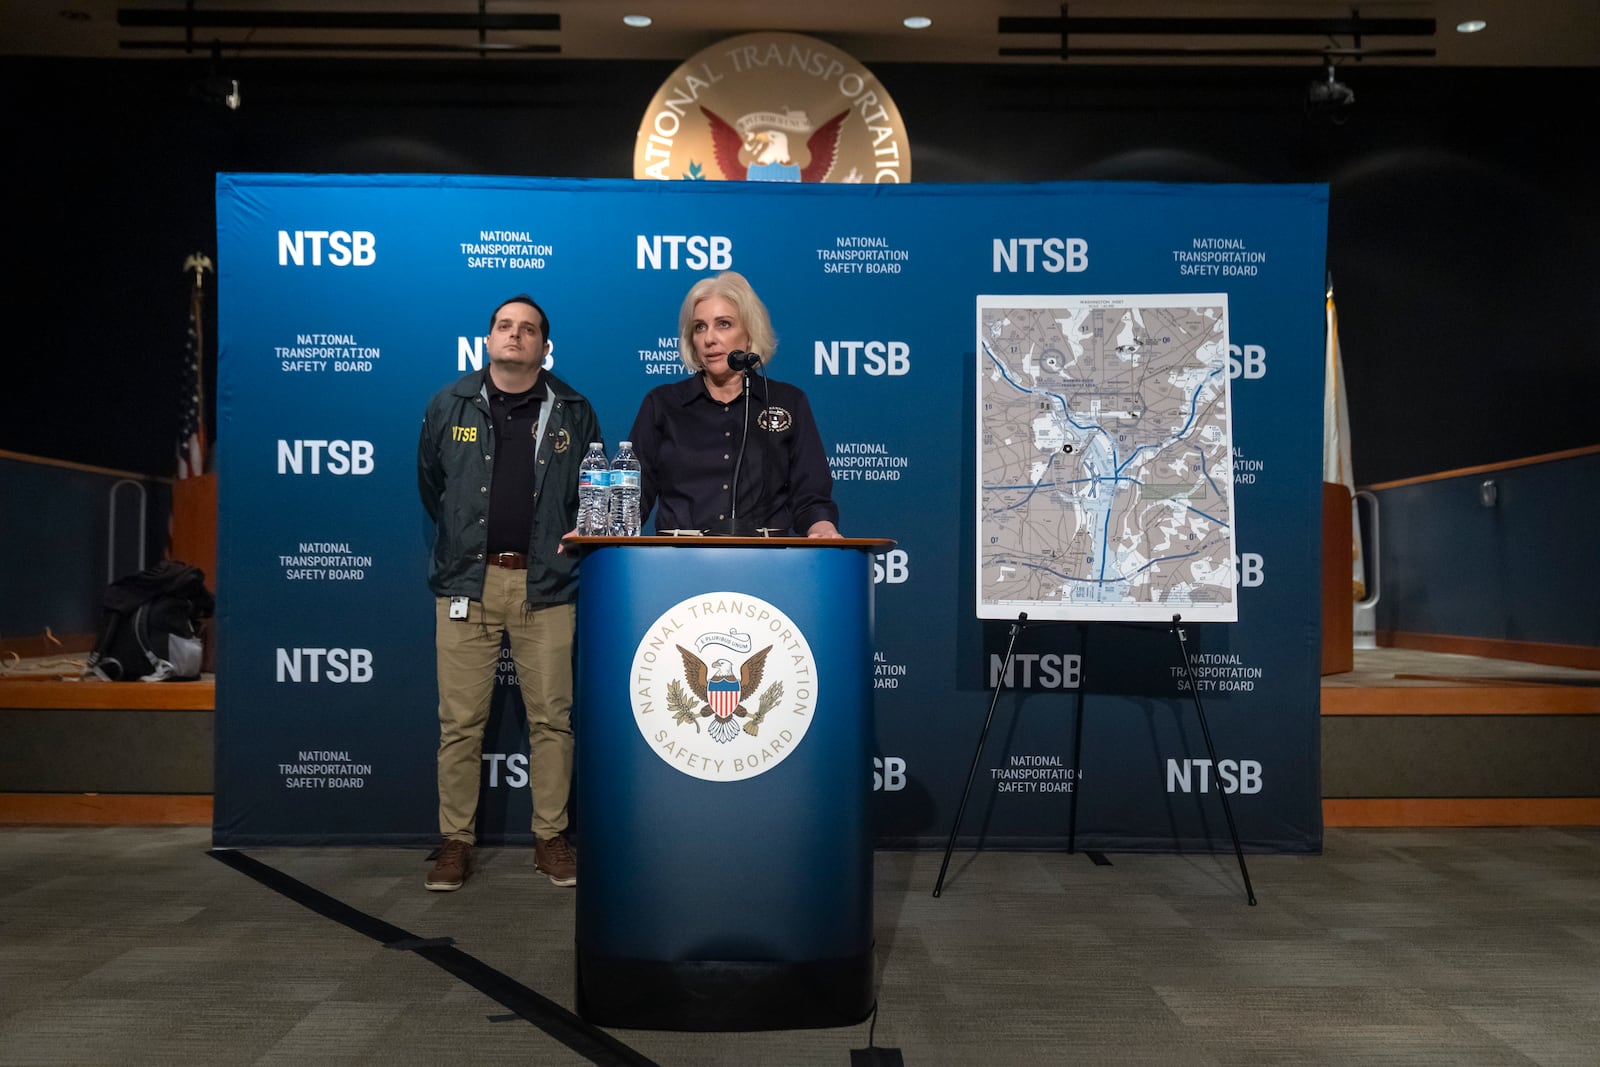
[636,20]
[216,88]
[223,91]
[1471,26]
[916,22]
[1330,96]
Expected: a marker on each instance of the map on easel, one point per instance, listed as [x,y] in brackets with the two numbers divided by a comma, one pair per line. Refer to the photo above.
[1105,458]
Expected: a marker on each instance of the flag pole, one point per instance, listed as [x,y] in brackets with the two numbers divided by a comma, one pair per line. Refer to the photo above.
[192,522]
[198,265]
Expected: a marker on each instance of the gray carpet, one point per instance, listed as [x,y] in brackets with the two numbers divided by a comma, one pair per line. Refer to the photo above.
[134,946]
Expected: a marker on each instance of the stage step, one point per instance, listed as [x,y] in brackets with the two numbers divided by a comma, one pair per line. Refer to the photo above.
[1406,750]
[73,738]
[1432,751]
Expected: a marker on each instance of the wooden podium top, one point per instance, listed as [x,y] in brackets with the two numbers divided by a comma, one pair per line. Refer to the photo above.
[721,541]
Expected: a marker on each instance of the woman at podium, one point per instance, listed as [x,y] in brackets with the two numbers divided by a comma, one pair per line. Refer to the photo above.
[731,451]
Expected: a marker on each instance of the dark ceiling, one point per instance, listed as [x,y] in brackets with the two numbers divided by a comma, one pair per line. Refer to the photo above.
[1548,33]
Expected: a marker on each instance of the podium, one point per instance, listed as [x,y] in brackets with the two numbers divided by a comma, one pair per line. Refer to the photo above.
[723,776]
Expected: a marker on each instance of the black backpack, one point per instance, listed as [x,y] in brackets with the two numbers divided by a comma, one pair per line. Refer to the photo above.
[153,625]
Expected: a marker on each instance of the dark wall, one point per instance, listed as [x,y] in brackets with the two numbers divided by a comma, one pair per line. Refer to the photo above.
[1460,560]
[1462,228]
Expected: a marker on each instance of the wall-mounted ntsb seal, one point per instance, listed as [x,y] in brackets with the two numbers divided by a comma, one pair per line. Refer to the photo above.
[778,107]
[723,686]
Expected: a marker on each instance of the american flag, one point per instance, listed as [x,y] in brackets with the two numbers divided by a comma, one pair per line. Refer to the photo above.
[192,426]
[1336,441]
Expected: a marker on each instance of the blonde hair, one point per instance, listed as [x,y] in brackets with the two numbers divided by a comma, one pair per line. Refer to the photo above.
[735,289]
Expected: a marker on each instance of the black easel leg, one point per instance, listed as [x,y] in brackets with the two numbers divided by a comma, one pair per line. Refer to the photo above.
[961,809]
[1077,751]
[1205,732]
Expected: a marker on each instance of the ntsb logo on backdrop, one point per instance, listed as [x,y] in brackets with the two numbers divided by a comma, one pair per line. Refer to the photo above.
[320,456]
[330,248]
[336,665]
[683,251]
[1053,255]
[873,358]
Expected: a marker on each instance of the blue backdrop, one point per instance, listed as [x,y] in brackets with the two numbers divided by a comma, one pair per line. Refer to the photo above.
[347,301]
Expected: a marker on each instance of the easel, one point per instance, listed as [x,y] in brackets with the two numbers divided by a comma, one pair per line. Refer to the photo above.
[1205,732]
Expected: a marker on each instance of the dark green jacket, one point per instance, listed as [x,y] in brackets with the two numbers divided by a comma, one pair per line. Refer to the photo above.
[455,454]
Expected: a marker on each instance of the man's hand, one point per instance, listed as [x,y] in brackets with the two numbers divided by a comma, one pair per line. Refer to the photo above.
[561,545]
[824,529]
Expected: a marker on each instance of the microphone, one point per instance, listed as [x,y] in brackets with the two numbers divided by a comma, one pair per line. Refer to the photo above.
[742,360]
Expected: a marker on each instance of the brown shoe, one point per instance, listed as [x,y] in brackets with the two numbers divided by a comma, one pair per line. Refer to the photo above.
[556,859]
[451,868]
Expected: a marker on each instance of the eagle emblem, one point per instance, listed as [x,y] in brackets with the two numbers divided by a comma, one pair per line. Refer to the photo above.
[721,694]
[775,419]
[770,153]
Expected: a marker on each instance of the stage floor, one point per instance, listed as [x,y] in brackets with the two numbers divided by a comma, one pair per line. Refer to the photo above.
[1383,668]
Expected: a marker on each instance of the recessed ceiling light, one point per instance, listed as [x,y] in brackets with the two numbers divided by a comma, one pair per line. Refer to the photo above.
[636,20]
[1471,26]
[917,22]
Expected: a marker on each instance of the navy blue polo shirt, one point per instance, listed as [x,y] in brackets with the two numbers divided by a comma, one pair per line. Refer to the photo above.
[516,447]
[688,445]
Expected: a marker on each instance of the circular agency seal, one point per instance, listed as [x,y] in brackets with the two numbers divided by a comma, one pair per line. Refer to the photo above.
[777,107]
[723,686]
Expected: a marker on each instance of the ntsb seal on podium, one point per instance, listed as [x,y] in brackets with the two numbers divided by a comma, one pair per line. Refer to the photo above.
[778,107]
[723,686]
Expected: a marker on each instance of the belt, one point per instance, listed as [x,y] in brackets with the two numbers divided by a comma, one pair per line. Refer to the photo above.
[514,561]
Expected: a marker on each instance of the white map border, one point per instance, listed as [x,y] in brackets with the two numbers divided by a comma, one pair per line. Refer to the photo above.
[1126,609]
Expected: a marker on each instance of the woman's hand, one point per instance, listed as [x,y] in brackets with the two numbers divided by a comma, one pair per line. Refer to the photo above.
[823,529]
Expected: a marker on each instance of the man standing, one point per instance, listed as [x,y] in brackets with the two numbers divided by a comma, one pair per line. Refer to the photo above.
[497,467]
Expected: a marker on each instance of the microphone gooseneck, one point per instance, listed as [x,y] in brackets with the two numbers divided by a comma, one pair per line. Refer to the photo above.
[744,362]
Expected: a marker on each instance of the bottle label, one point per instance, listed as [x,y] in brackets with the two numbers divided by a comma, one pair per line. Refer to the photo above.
[630,479]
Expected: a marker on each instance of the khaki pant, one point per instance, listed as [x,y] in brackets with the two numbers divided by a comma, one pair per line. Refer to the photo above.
[468,655]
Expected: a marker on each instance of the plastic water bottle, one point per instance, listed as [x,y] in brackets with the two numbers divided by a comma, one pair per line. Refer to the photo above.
[594,508]
[625,518]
